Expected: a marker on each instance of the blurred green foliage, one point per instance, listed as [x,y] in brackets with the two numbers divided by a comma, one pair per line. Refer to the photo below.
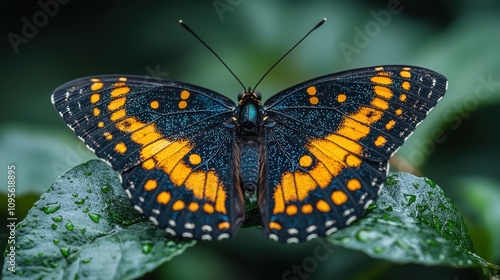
[455,147]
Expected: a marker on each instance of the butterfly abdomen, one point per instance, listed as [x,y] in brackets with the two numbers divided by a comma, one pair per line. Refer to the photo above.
[249,165]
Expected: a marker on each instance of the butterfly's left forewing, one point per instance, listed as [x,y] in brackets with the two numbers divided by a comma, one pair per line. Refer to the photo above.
[328,141]
[171,144]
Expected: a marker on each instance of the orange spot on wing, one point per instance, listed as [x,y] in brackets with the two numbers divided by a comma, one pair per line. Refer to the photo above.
[178,205]
[380,103]
[185,94]
[150,185]
[163,197]
[117,115]
[406,85]
[314,100]
[307,208]
[96,86]
[116,104]
[94,98]
[305,161]
[291,210]
[208,208]
[120,91]
[353,185]
[405,74]
[390,124]
[224,225]
[311,90]
[341,98]
[194,159]
[382,91]
[154,104]
[182,104]
[381,80]
[274,225]
[339,197]
[148,164]
[193,206]
[380,141]
[121,148]
[323,206]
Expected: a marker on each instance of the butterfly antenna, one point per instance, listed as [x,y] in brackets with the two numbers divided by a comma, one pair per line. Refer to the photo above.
[210,49]
[291,49]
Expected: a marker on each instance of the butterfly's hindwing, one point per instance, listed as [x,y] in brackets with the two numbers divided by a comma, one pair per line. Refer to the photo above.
[170,143]
[328,141]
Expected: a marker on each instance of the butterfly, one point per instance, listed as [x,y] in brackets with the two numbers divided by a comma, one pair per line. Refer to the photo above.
[314,155]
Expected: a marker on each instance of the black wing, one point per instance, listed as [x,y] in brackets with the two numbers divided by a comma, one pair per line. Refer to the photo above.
[169,141]
[328,141]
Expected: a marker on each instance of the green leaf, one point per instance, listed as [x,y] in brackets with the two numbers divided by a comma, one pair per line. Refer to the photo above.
[413,222]
[83,227]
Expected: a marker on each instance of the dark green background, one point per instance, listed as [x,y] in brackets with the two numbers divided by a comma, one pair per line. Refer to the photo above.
[457,146]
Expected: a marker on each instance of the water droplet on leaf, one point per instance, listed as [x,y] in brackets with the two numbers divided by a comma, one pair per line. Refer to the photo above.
[95,217]
[51,208]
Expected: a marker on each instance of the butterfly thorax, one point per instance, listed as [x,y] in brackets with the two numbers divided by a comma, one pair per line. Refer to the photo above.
[248,125]
[249,113]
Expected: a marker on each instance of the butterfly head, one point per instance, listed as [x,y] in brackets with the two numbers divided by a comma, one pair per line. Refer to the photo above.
[249,95]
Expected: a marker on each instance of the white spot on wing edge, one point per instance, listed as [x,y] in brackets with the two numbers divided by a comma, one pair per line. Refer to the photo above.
[292,240]
[206,228]
[139,209]
[273,237]
[223,236]
[311,236]
[206,237]
[154,220]
[350,220]
[172,223]
[311,228]
[170,231]
[128,193]
[189,225]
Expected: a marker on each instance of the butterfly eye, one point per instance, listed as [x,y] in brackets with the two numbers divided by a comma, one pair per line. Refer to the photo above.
[240,95]
[257,95]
